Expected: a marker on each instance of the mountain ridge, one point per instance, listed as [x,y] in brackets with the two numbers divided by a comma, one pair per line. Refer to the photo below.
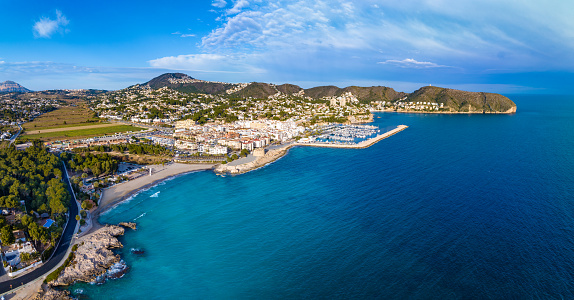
[453,100]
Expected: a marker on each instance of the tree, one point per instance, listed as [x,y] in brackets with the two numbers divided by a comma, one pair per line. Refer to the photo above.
[87,205]
[34,231]
[78,217]
[6,235]
[27,220]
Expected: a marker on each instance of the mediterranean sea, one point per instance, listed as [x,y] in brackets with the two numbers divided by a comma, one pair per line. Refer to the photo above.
[454,207]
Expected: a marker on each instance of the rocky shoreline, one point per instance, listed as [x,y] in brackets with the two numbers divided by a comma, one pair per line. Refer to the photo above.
[93,259]
[93,256]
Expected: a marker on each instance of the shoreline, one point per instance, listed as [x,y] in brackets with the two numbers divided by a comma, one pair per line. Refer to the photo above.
[117,194]
[275,154]
[508,112]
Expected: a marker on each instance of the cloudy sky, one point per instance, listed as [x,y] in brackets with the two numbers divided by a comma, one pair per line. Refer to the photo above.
[506,46]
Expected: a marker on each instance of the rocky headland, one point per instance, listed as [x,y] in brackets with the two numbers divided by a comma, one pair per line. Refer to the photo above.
[94,256]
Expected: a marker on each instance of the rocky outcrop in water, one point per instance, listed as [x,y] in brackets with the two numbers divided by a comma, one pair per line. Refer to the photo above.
[93,256]
[131,225]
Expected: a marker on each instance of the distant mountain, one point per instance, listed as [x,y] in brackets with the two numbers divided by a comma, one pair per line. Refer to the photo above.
[12,87]
[462,101]
[455,100]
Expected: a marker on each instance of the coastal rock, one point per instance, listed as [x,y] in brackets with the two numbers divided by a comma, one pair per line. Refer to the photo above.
[131,225]
[137,251]
[48,293]
[93,256]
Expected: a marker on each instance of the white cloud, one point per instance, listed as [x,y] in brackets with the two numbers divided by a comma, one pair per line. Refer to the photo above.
[183,34]
[207,63]
[525,35]
[238,5]
[45,27]
[219,3]
[411,63]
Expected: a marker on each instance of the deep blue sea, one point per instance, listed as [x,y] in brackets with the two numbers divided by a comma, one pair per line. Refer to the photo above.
[454,207]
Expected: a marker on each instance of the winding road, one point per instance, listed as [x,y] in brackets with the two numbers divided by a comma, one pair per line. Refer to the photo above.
[59,253]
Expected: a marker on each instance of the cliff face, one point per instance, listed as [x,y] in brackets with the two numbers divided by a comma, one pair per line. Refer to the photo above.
[462,101]
[12,87]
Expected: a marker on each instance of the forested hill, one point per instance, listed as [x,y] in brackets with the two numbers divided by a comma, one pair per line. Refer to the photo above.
[462,101]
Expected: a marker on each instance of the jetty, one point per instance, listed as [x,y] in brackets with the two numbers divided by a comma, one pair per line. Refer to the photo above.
[270,156]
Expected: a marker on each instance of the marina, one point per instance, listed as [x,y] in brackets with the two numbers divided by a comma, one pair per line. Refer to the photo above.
[348,136]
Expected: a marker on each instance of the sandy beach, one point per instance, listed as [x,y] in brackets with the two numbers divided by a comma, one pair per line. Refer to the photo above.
[117,193]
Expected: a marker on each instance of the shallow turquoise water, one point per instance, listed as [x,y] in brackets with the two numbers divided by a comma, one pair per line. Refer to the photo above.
[456,206]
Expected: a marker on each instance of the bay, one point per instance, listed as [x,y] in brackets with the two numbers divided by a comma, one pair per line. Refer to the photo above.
[455,207]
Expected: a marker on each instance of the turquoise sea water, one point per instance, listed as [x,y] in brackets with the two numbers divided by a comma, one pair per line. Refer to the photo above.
[454,207]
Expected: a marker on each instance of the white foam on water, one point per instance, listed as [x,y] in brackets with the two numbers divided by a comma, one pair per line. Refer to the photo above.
[142,215]
[155,195]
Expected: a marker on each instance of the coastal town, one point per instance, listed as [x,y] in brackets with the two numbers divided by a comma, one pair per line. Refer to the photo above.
[113,144]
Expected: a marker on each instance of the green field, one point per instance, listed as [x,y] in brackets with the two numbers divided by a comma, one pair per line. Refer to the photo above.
[67,116]
[80,133]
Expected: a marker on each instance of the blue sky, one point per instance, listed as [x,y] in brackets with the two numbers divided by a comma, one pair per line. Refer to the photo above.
[506,46]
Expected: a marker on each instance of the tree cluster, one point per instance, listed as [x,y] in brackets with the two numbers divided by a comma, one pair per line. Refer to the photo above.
[32,176]
[97,165]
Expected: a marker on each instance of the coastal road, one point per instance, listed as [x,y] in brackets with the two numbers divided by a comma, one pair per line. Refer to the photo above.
[12,139]
[59,252]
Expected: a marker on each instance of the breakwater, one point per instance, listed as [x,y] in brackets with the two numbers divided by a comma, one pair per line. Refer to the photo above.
[274,154]
[363,144]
